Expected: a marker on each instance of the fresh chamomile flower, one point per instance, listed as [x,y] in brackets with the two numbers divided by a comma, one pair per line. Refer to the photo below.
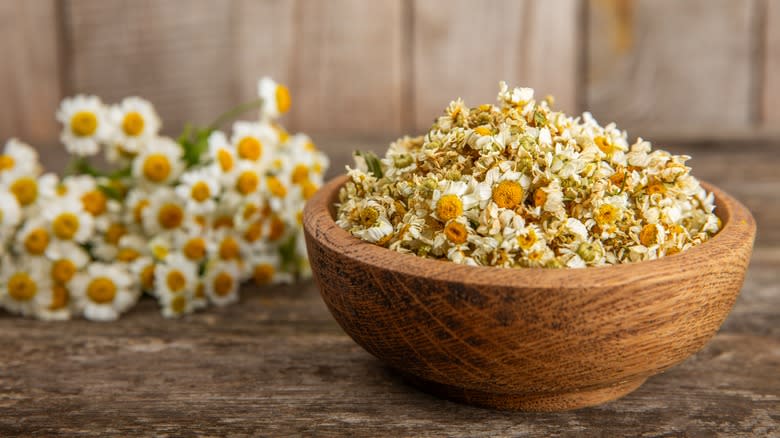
[160,164]
[24,284]
[18,159]
[175,275]
[194,246]
[85,124]
[165,213]
[254,142]
[34,238]
[10,213]
[105,243]
[136,202]
[104,291]
[179,304]
[451,199]
[276,98]
[136,123]
[25,188]
[221,282]
[267,269]
[247,179]
[69,221]
[67,259]
[199,187]
[223,157]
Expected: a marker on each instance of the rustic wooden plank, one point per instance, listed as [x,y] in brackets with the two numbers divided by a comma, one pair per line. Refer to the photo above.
[29,73]
[771,76]
[346,67]
[459,50]
[179,54]
[669,68]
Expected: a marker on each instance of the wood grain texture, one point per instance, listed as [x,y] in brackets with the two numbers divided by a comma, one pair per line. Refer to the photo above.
[661,66]
[278,364]
[527,339]
[30,70]
[460,49]
[771,73]
[179,54]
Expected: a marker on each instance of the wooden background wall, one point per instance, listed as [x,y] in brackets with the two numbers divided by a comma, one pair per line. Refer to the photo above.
[670,69]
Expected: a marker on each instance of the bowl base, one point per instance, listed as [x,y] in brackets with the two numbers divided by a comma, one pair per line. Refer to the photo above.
[527,402]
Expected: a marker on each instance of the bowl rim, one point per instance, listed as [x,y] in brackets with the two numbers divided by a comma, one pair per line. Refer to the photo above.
[738,230]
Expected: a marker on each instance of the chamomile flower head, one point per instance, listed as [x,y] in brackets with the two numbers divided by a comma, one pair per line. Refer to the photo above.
[34,238]
[222,156]
[10,212]
[254,142]
[199,188]
[67,260]
[175,275]
[276,98]
[221,283]
[23,285]
[104,291]
[136,124]
[160,164]
[165,214]
[18,159]
[85,124]
[69,221]
[266,268]
[518,184]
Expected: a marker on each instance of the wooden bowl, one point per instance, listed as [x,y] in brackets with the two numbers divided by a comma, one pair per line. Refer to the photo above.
[527,339]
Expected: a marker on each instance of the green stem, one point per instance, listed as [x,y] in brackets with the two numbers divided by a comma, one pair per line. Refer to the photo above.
[234,112]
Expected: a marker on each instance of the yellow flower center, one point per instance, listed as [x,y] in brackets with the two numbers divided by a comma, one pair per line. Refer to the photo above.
[223,222]
[160,252]
[540,197]
[133,124]
[25,189]
[157,168]
[263,274]
[300,173]
[276,229]
[508,194]
[175,280]
[604,144]
[223,284]
[21,287]
[138,210]
[607,214]
[283,135]
[656,188]
[649,235]
[276,187]
[200,191]
[115,232]
[254,231]
[83,123]
[6,162]
[195,248]
[483,130]
[147,277]
[59,297]
[225,159]
[170,216]
[308,189]
[127,255]
[229,249]
[65,226]
[527,240]
[94,202]
[36,241]
[309,146]
[250,148]
[63,270]
[449,207]
[247,182]
[283,100]
[101,290]
[178,304]
[366,217]
[456,232]
[200,290]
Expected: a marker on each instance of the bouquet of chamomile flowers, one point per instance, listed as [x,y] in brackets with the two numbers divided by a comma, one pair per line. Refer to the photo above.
[186,220]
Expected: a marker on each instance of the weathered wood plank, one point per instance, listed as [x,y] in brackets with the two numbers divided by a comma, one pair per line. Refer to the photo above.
[771,76]
[30,70]
[179,54]
[346,67]
[463,49]
[661,67]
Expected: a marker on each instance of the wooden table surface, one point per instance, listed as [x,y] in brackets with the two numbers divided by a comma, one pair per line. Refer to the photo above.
[277,364]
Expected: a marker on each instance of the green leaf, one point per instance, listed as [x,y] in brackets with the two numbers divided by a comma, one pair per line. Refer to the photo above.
[372,162]
[111,192]
[288,254]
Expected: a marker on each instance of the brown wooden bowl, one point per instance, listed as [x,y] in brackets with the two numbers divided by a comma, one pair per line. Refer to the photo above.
[532,338]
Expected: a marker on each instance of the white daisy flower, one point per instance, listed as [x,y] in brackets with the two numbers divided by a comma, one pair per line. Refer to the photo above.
[176,275]
[276,98]
[25,188]
[223,157]
[136,124]
[165,213]
[69,221]
[199,187]
[85,124]
[161,162]
[18,159]
[23,285]
[34,238]
[222,282]
[67,259]
[194,246]
[10,213]
[247,179]
[267,269]
[104,291]
[255,142]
